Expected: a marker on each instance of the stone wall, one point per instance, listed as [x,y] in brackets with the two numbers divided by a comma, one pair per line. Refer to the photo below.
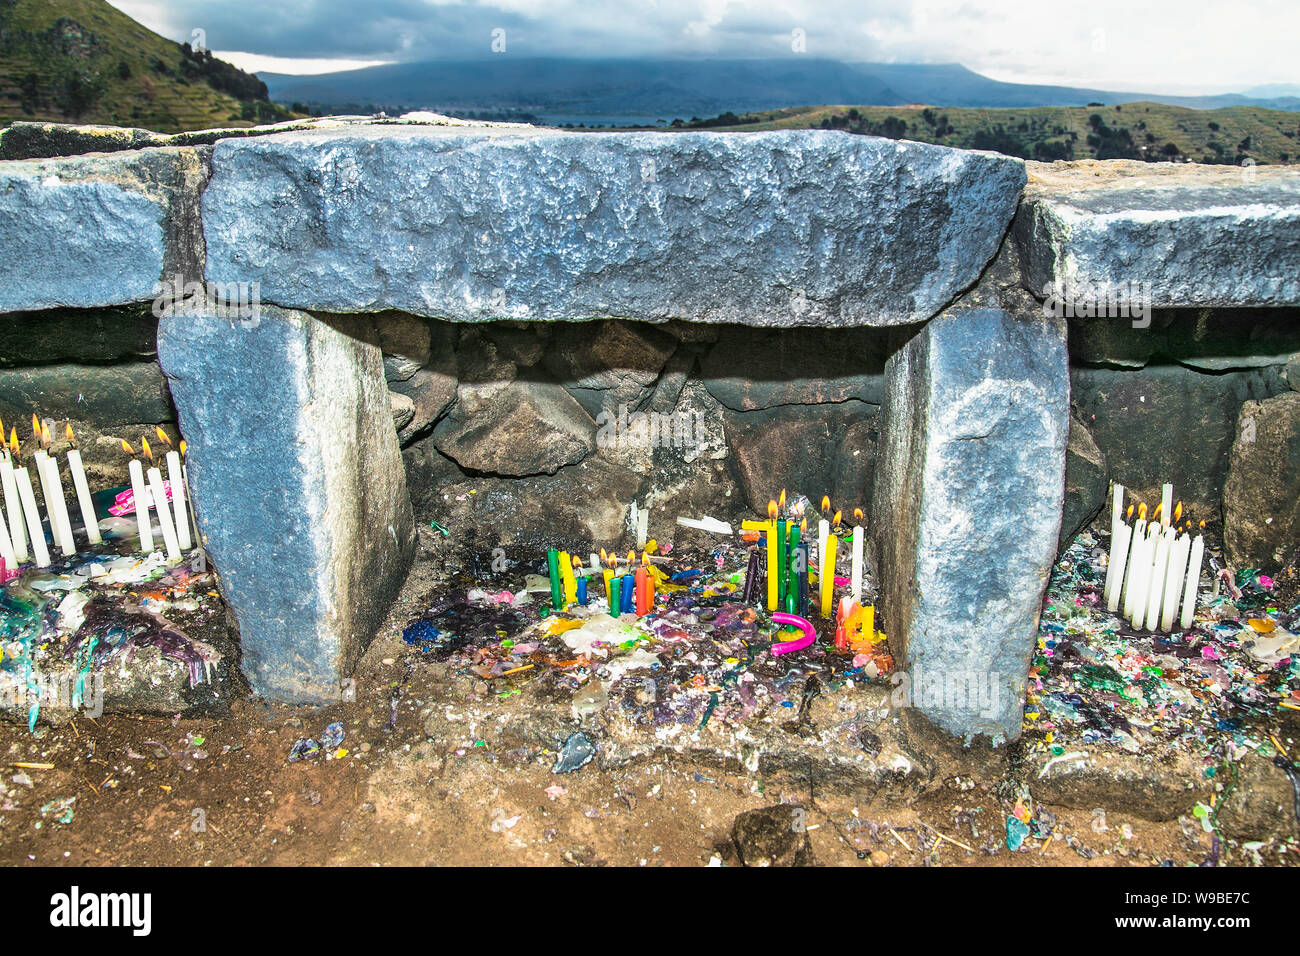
[795,306]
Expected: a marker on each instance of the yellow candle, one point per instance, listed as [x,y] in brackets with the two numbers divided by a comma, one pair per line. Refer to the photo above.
[827,572]
[869,622]
[566,575]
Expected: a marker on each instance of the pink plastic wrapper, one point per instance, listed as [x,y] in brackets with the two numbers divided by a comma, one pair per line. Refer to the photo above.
[124,503]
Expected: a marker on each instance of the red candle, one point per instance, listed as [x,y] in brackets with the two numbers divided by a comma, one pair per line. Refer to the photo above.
[642,592]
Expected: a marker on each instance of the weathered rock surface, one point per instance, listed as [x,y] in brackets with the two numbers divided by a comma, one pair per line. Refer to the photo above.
[608,364]
[1190,235]
[1262,805]
[1162,789]
[1086,482]
[99,230]
[301,495]
[1217,340]
[108,396]
[966,506]
[1293,372]
[78,336]
[752,369]
[773,836]
[1261,497]
[1168,423]
[816,449]
[525,223]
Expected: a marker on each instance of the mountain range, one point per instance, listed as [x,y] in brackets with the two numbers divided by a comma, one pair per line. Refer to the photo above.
[666,89]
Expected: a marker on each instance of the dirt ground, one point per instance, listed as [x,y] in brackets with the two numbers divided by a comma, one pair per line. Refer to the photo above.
[219,791]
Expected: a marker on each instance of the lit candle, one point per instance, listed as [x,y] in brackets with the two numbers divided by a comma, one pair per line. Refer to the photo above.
[567,581]
[611,593]
[772,586]
[627,597]
[175,481]
[35,532]
[13,506]
[782,562]
[792,565]
[1174,577]
[828,576]
[1193,581]
[1139,541]
[642,588]
[47,470]
[159,494]
[189,498]
[140,499]
[87,503]
[823,532]
[1159,570]
[855,575]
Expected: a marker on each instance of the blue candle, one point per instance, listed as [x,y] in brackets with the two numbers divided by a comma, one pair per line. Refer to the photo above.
[627,600]
[582,590]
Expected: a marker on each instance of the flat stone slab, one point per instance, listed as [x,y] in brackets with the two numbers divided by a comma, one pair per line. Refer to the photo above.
[1186,234]
[773,229]
[298,485]
[969,484]
[99,230]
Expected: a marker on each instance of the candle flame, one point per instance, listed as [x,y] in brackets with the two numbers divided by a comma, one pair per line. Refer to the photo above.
[1159,508]
[1130,512]
[68,433]
[781,501]
[13,440]
[631,558]
[1142,513]
[36,427]
[183,446]
[577,561]
[1178,512]
[126,447]
[46,441]
[826,503]
[645,559]
[603,556]
[144,446]
[857,515]
[803,526]
[771,509]
[162,436]
[835,522]
[1202,524]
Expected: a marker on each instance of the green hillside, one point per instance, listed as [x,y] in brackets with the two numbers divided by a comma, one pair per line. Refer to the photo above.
[1148,131]
[83,61]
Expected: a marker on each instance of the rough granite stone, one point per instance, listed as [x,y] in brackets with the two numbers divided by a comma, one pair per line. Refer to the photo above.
[777,228]
[1192,235]
[966,506]
[1086,482]
[1261,497]
[299,491]
[99,230]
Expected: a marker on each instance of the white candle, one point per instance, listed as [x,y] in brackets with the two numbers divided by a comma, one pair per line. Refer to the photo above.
[1119,548]
[14,507]
[1156,590]
[178,500]
[1166,505]
[47,469]
[1139,536]
[1193,582]
[34,530]
[7,544]
[164,515]
[194,518]
[141,495]
[855,576]
[1141,573]
[88,516]
[1116,522]
[1174,580]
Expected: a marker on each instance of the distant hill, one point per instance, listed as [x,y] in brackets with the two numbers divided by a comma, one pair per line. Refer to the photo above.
[649,89]
[1149,131]
[85,61]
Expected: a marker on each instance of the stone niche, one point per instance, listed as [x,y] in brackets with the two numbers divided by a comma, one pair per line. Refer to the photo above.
[476,325]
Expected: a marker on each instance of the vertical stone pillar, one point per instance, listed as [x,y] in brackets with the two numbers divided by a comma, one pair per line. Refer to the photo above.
[299,487]
[966,508]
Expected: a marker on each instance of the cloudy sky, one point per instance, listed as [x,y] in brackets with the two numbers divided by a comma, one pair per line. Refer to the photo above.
[1161,46]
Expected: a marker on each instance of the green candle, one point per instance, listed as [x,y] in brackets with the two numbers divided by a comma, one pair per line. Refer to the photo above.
[782,562]
[557,586]
[793,585]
